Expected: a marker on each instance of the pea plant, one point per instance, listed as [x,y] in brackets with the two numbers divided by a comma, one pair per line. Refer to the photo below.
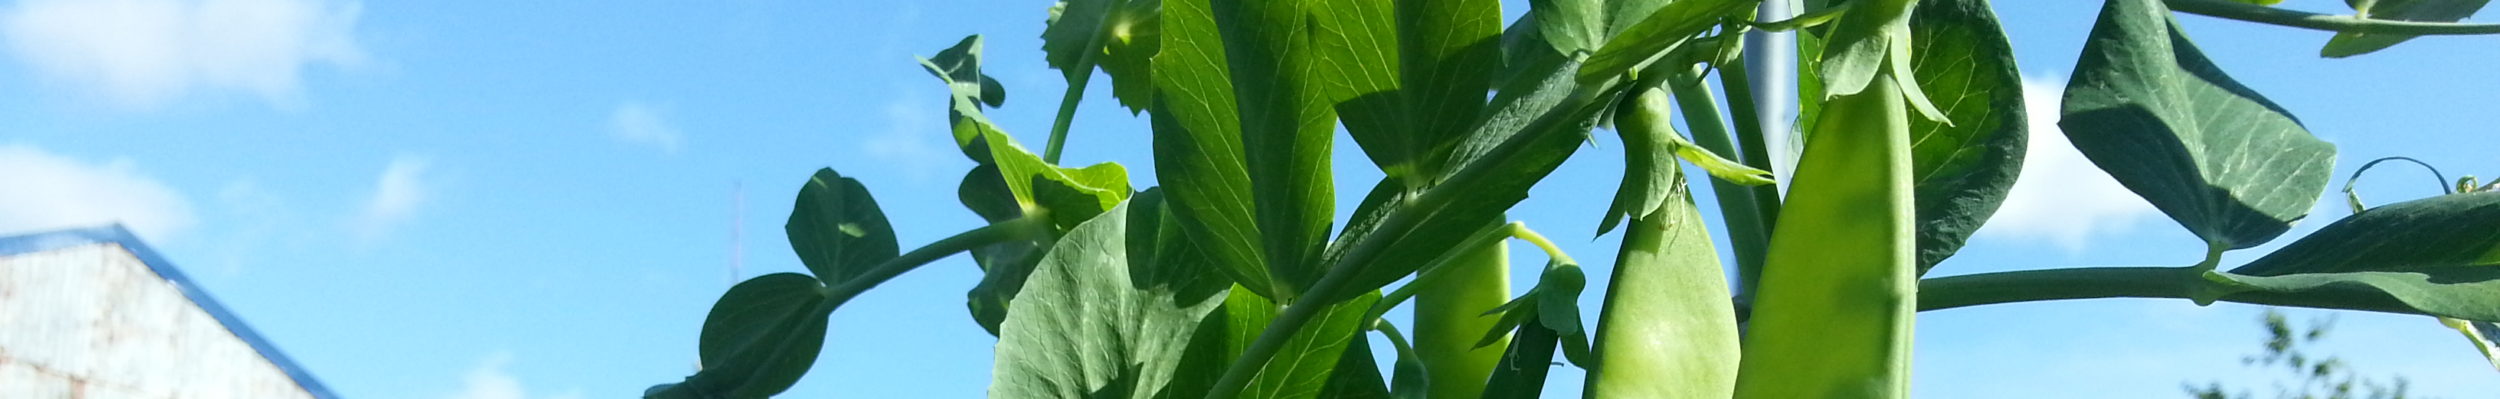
[1227,278]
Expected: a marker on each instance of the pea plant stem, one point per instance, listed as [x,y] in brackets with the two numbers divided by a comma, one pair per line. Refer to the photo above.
[1748,231]
[2228,9]
[1325,292]
[1024,228]
[1067,110]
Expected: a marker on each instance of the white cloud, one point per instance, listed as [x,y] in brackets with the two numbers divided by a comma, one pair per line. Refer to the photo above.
[489,380]
[144,52]
[915,139]
[401,188]
[50,192]
[2062,198]
[638,123]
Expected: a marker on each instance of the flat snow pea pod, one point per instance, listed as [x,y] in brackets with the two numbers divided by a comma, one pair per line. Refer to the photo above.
[1668,330]
[1450,317]
[1839,289]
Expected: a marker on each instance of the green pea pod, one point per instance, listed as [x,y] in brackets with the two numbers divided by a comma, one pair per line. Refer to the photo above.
[1450,314]
[1668,330]
[1832,316]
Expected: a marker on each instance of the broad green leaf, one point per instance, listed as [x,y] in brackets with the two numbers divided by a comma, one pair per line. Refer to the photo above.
[1443,60]
[1963,170]
[1572,26]
[2147,107]
[2448,231]
[1357,375]
[1655,34]
[2347,44]
[1072,195]
[837,229]
[1357,67]
[1241,137]
[1308,366]
[2469,293]
[1010,182]
[1516,111]
[1109,311]
[2438,256]
[759,339]
[960,68]
[1118,36]
[1667,282]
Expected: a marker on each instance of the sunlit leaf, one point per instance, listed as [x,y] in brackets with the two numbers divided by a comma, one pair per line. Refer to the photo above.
[837,228]
[1109,311]
[1242,135]
[2151,110]
[1963,170]
[1312,363]
[1121,38]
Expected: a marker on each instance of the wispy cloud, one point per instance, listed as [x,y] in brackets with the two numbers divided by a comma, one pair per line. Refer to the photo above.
[914,139]
[145,52]
[397,194]
[2062,198]
[489,380]
[47,191]
[642,124]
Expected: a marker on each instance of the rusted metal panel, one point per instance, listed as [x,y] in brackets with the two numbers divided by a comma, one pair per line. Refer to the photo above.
[96,320]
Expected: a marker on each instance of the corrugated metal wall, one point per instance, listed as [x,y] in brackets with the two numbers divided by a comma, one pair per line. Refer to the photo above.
[93,321]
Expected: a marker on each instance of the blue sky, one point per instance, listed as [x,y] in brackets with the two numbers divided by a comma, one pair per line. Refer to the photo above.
[538,199]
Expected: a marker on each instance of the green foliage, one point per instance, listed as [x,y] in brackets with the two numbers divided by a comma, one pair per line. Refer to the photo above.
[1222,279]
[2347,44]
[1108,312]
[2223,161]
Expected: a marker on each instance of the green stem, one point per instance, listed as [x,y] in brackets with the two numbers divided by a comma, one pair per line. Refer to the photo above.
[2055,284]
[1748,232]
[1754,152]
[1433,272]
[1067,108]
[2108,282]
[1028,227]
[1323,293]
[2228,9]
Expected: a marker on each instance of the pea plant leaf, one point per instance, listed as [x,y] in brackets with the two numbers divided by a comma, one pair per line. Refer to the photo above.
[1407,96]
[1109,311]
[1242,135]
[1963,169]
[1009,182]
[2459,230]
[969,90]
[1326,357]
[2347,44]
[2438,256]
[1539,108]
[1069,196]
[1572,26]
[1655,34]
[2147,107]
[837,229]
[1119,37]
[758,340]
